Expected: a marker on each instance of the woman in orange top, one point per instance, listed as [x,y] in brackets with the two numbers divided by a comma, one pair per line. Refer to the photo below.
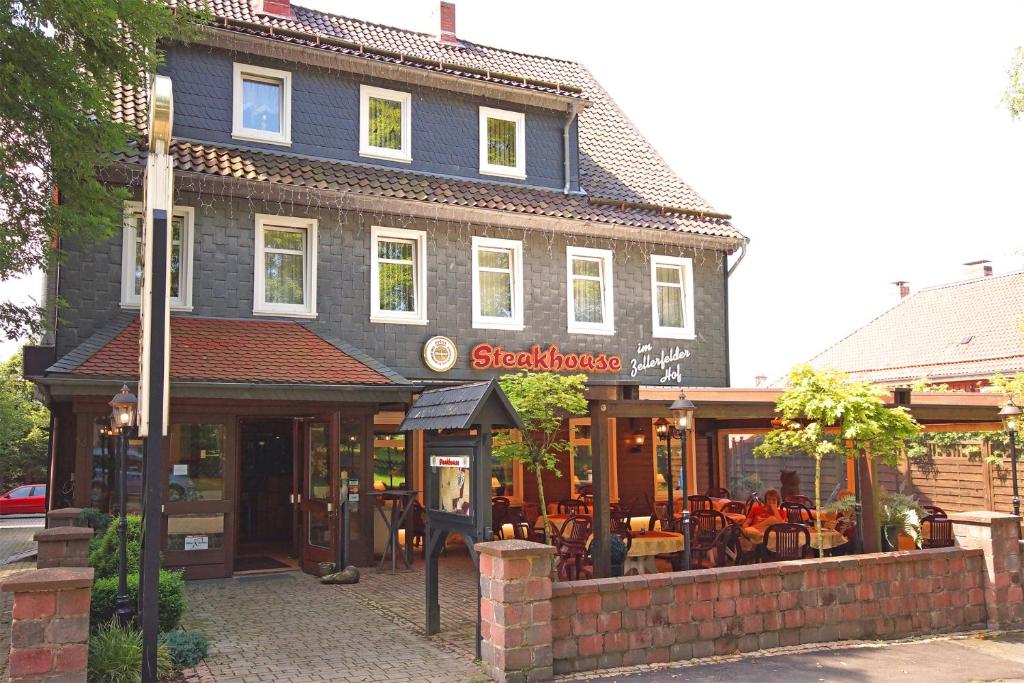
[766,511]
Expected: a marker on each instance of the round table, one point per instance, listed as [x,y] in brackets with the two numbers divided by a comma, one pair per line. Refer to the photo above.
[826,540]
[646,546]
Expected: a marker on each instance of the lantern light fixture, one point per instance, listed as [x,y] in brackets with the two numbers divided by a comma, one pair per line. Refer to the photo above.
[123,407]
[1010,414]
[682,410]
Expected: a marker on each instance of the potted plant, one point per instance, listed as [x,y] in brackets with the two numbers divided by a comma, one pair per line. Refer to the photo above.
[618,553]
[899,513]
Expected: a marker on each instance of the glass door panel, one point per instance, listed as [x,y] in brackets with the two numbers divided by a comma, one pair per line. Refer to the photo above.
[318,507]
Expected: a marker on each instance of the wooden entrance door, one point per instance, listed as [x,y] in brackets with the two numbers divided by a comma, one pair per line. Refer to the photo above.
[318,503]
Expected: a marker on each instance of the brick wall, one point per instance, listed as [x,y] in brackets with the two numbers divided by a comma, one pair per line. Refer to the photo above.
[667,617]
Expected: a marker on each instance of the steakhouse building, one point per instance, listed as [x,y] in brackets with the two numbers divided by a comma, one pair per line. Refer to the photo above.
[362,211]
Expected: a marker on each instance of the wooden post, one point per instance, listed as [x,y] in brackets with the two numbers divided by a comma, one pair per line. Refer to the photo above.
[601,547]
[872,533]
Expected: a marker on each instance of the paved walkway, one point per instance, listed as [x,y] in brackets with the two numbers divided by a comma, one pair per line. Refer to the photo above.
[955,659]
[290,628]
[13,540]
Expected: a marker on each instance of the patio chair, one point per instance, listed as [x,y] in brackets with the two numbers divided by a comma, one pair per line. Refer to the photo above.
[660,515]
[934,510]
[735,507]
[531,511]
[571,549]
[586,501]
[705,525]
[620,521]
[569,506]
[419,525]
[802,500]
[700,503]
[728,551]
[939,532]
[499,512]
[521,529]
[797,513]
[788,544]
[718,493]
[753,498]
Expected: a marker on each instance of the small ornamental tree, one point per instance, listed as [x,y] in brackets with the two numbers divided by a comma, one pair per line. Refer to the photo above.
[544,401]
[824,413]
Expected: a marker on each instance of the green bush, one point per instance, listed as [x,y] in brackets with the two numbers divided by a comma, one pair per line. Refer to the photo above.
[172,598]
[115,656]
[95,519]
[104,556]
[187,647]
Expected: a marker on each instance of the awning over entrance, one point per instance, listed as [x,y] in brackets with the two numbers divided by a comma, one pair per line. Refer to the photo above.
[238,358]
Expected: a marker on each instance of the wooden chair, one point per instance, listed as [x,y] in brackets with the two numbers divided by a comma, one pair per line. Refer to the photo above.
[499,512]
[802,500]
[934,510]
[660,515]
[728,551]
[939,532]
[735,507]
[787,542]
[570,506]
[718,493]
[796,513]
[700,503]
[705,525]
[620,521]
[571,549]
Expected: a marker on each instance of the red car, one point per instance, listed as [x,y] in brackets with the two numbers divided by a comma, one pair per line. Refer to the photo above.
[24,500]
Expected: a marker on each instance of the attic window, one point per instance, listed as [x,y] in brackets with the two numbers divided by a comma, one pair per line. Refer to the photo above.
[262,104]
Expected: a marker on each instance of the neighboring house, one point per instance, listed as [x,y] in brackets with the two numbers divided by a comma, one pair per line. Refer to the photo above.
[361,211]
[959,334]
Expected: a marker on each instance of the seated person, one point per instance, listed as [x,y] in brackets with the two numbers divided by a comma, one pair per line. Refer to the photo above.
[763,515]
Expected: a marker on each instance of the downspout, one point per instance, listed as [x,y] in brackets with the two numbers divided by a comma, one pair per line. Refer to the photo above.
[743,253]
[725,284]
[566,147]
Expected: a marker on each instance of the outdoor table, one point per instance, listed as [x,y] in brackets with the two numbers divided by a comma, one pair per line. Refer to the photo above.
[826,540]
[646,545]
[399,499]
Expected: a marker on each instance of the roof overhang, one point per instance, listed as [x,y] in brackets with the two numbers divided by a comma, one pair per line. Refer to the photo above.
[284,45]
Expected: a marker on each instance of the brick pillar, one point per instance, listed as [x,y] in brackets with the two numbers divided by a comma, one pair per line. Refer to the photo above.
[996,534]
[63,517]
[50,624]
[515,610]
[63,546]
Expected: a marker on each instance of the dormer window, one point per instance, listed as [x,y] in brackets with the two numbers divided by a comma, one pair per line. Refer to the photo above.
[502,143]
[385,124]
[262,104]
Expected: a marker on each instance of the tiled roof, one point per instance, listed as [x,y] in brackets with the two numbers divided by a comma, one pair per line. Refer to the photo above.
[367,180]
[963,330]
[616,162]
[249,351]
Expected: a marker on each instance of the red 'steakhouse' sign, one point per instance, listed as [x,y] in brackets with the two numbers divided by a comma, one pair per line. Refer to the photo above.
[487,357]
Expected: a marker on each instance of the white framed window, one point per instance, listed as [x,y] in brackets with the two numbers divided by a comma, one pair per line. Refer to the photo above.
[398,276]
[385,124]
[262,104]
[497,284]
[672,297]
[590,297]
[182,229]
[502,143]
[285,277]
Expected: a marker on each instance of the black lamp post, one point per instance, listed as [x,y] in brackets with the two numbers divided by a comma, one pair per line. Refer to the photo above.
[1010,414]
[682,420]
[122,419]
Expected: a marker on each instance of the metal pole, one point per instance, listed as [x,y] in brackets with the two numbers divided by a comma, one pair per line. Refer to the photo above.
[1013,472]
[686,502]
[668,478]
[858,508]
[121,602]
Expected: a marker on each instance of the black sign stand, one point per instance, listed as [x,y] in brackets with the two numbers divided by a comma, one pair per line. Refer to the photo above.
[149,567]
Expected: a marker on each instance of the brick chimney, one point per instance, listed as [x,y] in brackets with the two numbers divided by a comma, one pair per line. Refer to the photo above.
[904,287]
[275,8]
[447,35]
[977,269]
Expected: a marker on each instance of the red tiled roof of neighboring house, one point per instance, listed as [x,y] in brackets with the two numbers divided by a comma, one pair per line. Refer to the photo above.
[251,351]
[617,164]
[967,330]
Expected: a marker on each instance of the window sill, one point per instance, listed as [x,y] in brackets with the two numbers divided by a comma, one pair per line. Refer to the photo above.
[253,137]
[385,156]
[605,332]
[285,314]
[669,333]
[501,173]
[516,326]
[174,307]
[397,321]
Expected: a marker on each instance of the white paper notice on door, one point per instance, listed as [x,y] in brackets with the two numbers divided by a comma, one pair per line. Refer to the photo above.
[181,470]
[197,542]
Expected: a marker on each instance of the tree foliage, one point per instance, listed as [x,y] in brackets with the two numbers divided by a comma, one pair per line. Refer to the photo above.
[60,64]
[1013,98]
[544,401]
[24,429]
[825,413]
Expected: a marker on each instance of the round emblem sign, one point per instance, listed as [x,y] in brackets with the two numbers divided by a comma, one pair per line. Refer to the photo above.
[440,354]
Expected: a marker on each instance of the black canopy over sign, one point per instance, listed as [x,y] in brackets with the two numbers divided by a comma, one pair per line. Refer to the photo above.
[458,469]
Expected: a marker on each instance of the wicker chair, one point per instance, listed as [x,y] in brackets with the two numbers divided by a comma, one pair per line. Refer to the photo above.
[700,503]
[796,513]
[705,525]
[571,548]
[718,493]
[939,532]
[728,551]
[735,507]
[802,500]
[787,542]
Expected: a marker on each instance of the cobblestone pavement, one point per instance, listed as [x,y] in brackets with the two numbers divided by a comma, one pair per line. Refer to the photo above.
[12,541]
[959,658]
[290,628]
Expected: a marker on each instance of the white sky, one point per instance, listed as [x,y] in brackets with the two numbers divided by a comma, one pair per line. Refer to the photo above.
[855,144]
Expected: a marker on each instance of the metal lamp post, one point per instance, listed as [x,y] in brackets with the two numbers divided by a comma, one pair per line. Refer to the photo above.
[682,410]
[1010,415]
[122,419]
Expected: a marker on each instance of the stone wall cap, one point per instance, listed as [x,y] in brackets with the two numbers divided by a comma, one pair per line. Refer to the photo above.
[64,533]
[980,516]
[51,579]
[514,548]
[61,513]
